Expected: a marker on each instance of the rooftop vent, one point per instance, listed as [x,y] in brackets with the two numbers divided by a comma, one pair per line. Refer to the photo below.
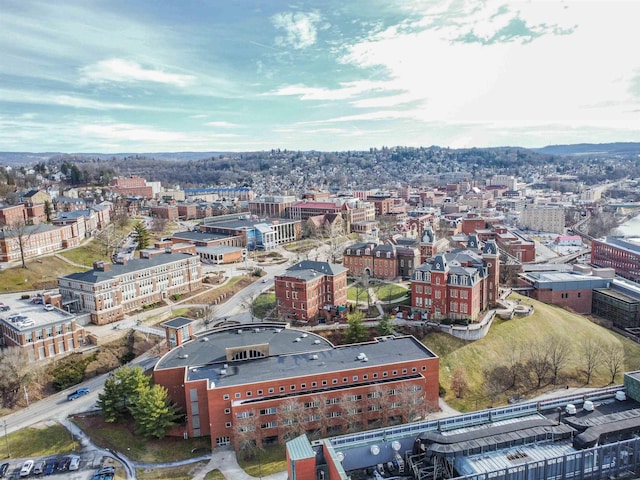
[304,335]
[184,355]
[256,330]
[298,339]
[226,365]
[223,371]
[588,406]
[361,356]
[239,330]
[621,396]
[365,359]
[278,330]
[316,341]
[205,339]
[314,357]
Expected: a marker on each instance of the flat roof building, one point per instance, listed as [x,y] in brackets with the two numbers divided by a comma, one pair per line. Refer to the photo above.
[269,382]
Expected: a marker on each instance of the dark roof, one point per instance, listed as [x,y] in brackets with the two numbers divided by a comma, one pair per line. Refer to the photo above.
[291,353]
[325,268]
[116,270]
[177,322]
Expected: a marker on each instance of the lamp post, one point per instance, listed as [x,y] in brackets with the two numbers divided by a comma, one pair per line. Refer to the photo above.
[6,438]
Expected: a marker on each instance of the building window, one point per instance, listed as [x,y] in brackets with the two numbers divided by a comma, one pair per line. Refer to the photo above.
[414,369]
[345,379]
[365,376]
[385,374]
[314,384]
[334,381]
[237,395]
[227,424]
[423,368]
[281,389]
[268,411]
[395,372]
[225,396]
[375,375]
[271,390]
[248,394]
[227,411]
[259,392]
[324,382]
[303,385]
[404,370]
[293,387]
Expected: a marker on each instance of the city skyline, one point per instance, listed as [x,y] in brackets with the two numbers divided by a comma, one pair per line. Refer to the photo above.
[148,76]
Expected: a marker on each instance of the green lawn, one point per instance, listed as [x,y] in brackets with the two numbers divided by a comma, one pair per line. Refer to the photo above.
[357,294]
[185,472]
[40,274]
[264,304]
[118,436]
[390,291]
[214,475]
[505,335]
[38,442]
[272,459]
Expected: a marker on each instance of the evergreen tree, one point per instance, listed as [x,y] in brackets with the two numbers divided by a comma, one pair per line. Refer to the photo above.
[153,412]
[120,391]
[142,235]
[385,327]
[356,331]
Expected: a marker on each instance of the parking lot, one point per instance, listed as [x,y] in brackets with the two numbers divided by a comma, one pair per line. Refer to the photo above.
[57,467]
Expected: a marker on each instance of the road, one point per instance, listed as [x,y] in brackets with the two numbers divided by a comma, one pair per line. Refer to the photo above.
[57,407]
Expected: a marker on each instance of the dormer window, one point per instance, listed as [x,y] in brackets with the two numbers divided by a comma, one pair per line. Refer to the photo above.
[378,254]
[367,252]
[388,254]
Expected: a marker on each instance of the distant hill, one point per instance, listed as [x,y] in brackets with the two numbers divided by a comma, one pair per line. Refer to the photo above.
[618,148]
[27,158]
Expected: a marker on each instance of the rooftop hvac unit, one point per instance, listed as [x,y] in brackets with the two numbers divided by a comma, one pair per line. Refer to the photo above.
[588,406]
[256,330]
[621,396]
[205,339]
[184,355]
[226,365]
[304,335]
[570,409]
[239,330]
[361,356]
[278,330]
[365,359]
[316,341]
[298,339]
[223,371]
[314,357]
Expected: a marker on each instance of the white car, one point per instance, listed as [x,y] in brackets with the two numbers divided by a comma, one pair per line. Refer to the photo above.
[25,471]
[74,464]
[48,307]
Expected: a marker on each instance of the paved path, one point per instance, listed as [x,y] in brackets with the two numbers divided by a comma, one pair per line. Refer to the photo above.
[224,459]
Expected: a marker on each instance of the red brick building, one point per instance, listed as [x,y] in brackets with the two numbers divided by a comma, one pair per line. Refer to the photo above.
[620,253]
[132,187]
[458,285]
[267,384]
[310,289]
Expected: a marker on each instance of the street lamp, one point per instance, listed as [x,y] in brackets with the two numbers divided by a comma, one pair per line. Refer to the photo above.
[6,438]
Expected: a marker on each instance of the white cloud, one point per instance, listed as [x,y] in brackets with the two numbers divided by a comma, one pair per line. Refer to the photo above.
[300,29]
[221,124]
[120,70]
[345,91]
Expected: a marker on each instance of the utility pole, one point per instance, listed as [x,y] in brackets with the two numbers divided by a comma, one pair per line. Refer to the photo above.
[6,438]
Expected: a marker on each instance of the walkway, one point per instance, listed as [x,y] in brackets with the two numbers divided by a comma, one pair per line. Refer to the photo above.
[224,459]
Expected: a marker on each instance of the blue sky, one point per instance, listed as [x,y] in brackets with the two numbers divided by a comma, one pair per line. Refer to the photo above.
[223,75]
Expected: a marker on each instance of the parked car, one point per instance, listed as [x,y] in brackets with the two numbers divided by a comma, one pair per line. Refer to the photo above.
[38,468]
[74,462]
[48,307]
[4,308]
[26,469]
[3,469]
[106,471]
[63,465]
[51,466]
[37,300]
[77,394]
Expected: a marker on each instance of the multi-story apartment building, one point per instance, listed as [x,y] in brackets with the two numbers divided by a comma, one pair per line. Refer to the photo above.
[132,187]
[620,253]
[272,206]
[268,383]
[38,333]
[543,218]
[383,261]
[34,240]
[244,194]
[13,215]
[108,292]
[304,210]
[458,285]
[168,212]
[308,289]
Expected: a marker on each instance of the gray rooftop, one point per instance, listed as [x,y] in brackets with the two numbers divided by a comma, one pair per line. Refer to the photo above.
[116,270]
[177,322]
[325,268]
[197,236]
[291,353]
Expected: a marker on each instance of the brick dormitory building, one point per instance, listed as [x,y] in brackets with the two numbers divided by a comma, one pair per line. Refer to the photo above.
[267,383]
[108,292]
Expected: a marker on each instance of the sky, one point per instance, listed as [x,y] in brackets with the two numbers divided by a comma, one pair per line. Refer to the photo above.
[221,75]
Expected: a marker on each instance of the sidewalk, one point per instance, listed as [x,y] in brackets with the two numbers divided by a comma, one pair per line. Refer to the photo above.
[224,459]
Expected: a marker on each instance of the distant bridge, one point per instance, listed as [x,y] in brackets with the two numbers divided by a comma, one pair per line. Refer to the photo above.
[624,205]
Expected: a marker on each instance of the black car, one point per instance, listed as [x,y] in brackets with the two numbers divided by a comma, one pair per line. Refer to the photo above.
[3,470]
[63,464]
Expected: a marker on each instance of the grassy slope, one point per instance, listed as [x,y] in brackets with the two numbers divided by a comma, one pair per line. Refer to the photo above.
[474,357]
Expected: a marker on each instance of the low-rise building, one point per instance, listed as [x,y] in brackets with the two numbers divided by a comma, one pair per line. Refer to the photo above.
[620,253]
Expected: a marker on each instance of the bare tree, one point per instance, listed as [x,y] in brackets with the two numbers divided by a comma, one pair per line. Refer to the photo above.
[590,356]
[352,412]
[19,232]
[613,359]
[414,406]
[375,406]
[513,361]
[538,361]
[459,383]
[558,354]
[14,376]
[158,224]
[291,421]
[248,434]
